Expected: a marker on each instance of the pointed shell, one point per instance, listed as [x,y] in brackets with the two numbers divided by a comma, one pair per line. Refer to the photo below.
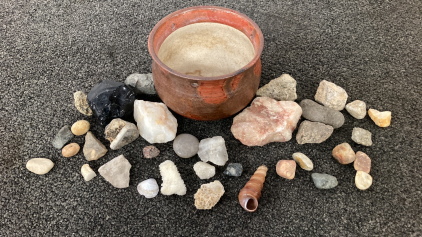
[249,195]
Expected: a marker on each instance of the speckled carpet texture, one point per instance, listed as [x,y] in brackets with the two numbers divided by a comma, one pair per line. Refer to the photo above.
[51,49]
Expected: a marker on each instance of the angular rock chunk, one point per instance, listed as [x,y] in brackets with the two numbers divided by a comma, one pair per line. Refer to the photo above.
[148,188]
[234,169]
[186,145]
[39,165]
[265,121]
[93,148]
[362,136]
[344,154]
[150,152]
[204,170]
[313,132]
[172,181]
[62,137]
[142,83]
[213,150]
[80,127]
[81,103]
[331,95]
[116,172]
[208,195]
[362,162]
[381,119]
[324,181]
[303,161]
[120,133]
[363,180]
[313,111]
[357,109]
[155,122]
[87,172]
[286,168]
[282,88]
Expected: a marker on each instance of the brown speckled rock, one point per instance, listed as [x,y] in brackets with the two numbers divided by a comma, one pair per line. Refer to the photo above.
[344,154]
[150,151]
[286,168]
[362,162]
[381,119]
[70,150]
[313,132]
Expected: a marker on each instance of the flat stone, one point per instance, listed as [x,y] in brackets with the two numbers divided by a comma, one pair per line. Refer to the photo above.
[62,137]
[80,127]
[186,145]
[313,132]
[331,95]
[208,195]
[286,168]
[344,153]
[87,172]
[282,88]
[93,148]
[116,172]
[81,103]
[155,122]
[362,136]
[315,112]
[265,121]
[213,150]
[381,119]
[324,181]
[303,161]
[362,162]
[39,165]
[204,170]
[120,133]
[234,169]
[148,188]
[172,181]
[363,180]
[357,109]
[142,83]
[70,150]
[150,152]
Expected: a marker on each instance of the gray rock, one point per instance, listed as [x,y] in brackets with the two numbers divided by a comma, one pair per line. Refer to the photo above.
[234,169]
[116,172]
[331,95]
[357,109]
[313,111]
[81,103]
[93,148]
[143,83]
[282,88]
[120,133]
[313,132]
[186,145]
[324,181]
[362,136]
[62,137]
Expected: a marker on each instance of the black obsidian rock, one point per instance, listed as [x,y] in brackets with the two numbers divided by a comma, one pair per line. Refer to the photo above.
[109,100]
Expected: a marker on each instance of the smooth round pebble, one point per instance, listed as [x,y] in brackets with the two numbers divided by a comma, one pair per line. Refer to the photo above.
[186,145]
[363,180]
[324,181]
[70,150]
[148,188]
[39,165]
[303,161]
[80,127]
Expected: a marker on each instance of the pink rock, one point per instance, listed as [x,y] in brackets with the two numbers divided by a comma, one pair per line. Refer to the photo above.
[362,162]
[265,121]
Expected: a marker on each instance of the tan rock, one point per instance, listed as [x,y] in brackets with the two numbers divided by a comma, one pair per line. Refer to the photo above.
[382,119]
[362,162]
[81,103]
[208,195]
[331,95]
[303,161]
[286,168]
[282,88]
[70,150]
[344,154]
[363,180]
[39,165]
[93,148]
[80,127]
[87,172]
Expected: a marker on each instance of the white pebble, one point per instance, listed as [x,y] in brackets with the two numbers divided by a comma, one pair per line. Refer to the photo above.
[39,165]
[204,170]
[213,150]
[87,172]
[363,180]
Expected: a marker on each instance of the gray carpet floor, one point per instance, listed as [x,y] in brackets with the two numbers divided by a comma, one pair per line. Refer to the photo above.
[50,49]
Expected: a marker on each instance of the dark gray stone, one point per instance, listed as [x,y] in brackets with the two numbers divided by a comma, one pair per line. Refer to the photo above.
[313,111]
[324,181]
[62,137]
[234,169]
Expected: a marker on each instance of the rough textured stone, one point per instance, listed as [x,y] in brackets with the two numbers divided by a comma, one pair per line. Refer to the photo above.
[331,95]
[362,162]
[213,150]
[70,150]
[80,127]
[313,132]
[142,83]
[62,137]
[234,169]
[282,88]
[155,122]
[172,181]
[93,148]
[116,172]
[39,165]
[208,195]
[87,172]
[363,180]
[362,136]
[186,145]
[286,168]
[344,153]
[324,181]
[81,103]
[113,128]
[204,170]
[148,188]
[119,135]
[150,152]
[313,111]
[303,161]
[357,109]
[381,119]
[265,121]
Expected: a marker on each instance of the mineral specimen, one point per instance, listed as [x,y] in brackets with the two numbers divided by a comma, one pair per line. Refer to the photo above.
[286,168]
[70,150]
[313,132]
[142,83]
[80,127]
[282,88]
[81,103]
[381,119]
[213,150]
[172,182]
[93,149]
[362,162]
[120,133]
[62,137]
[155,122]
[234,169]
[363,180]
[331,95]
[357,109]
[303,161]
[313,111]
[148,188]
[150,152]
[265,121]
[324,181]
[344,153]
[208,195]
[186,145]
[39,165]
[204,170]
[362,136]
[87,172]
[116,172]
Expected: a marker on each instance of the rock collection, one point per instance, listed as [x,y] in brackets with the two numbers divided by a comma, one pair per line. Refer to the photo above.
[313,132]
[362,136]
[282,88]
[116,172]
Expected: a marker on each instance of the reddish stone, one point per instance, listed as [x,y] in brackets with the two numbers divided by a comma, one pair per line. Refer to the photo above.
[362,162]
[344,153]
[150,151]
[286,168]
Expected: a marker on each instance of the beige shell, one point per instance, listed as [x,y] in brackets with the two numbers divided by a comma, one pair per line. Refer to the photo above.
[249,195]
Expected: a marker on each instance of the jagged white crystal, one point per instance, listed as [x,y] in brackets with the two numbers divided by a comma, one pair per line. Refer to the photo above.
[204,170]
[172,181]
[116,172]
[213,150]
[148,188]
[87,172]
[155,122]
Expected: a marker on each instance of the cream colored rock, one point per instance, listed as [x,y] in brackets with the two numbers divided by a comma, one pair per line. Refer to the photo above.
[70,150]
[93,148]
[81,103]
[116,172]
[172,181]
[381,119]
[80,127]
[87,172]
[286,168]
[363,180]
[331,95]
[204,170]
[208,195]
[303,161]
[357,109]
[39,165]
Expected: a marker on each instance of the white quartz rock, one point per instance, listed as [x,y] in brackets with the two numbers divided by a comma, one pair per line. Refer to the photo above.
[213,150]
[148,188]
[172,181]
[39,165]
[155,122]
[116,172]
[204,170]
[87,172]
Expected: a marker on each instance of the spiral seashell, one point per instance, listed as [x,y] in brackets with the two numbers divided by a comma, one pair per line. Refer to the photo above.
[249,195]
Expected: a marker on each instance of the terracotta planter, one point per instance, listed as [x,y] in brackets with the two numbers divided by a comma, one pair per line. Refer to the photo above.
[206,98]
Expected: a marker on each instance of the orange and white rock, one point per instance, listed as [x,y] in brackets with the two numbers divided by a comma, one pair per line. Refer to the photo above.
[382,119]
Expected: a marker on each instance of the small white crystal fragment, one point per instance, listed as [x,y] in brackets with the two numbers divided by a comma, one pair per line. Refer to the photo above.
[213,150]
[148,188]
[172,181]
[87,172]
[204,170]
[116,172]
[39,165]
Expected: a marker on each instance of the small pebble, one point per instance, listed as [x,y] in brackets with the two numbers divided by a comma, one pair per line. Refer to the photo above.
[357,109]
[282,88]
[363,180]
[204,170]
[93,148]
[303,161]
[313,132]
[81,103]
[80,127]
[70,150]
[362,136]
[286,168]
[313,111]
[120,133]
[362,162]
[186,145]
[331,95]
[381,119]
[39,165]
[324,181]
[148,188]
[87,172]
[150,151]
[234,169]
[62,137]
[344,153]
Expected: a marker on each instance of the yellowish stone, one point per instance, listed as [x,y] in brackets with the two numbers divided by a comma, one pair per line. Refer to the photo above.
[303,161]
[70,150]
[363,180]
[382,119]
[80,127]
[286,168]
